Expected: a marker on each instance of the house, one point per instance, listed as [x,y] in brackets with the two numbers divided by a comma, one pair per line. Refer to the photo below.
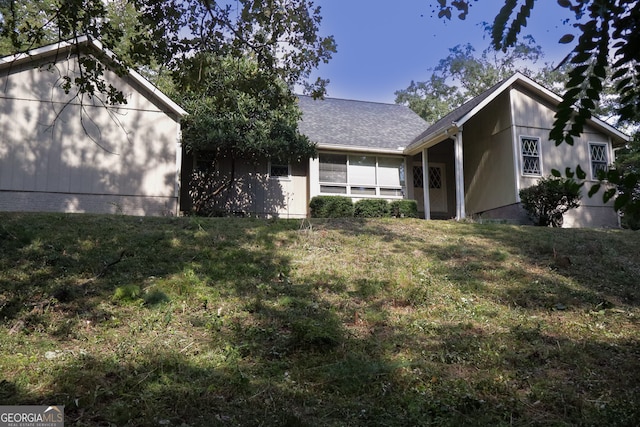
[65,152]
[361,154]
[70,152]
[471,163]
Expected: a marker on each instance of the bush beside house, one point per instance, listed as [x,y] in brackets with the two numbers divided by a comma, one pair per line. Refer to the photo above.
[404,209]
[344,207]
[548,200]
[371,208]
[331,207]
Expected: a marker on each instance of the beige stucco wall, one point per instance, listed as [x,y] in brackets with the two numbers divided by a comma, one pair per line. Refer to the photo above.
[489,179]
[534,118]
[255,193]
[60,152]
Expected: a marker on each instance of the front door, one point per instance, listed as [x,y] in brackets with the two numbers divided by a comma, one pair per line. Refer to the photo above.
[437,187]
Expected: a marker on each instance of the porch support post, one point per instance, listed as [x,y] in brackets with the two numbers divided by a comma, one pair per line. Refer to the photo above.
[425,184]
[460,209]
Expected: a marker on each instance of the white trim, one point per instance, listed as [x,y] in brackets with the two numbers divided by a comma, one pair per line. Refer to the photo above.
[431,140]
[314,177]
[515,145]
[521,166]
[175,108]
[425,184]
[518,77]
[352,149]
[459,174]
[40,52]
[177,181]
[607,152]
[349,185]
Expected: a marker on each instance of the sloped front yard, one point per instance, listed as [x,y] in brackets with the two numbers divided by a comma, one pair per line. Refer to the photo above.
[188,321]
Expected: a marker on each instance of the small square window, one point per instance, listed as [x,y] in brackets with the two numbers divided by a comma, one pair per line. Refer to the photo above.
[279,170]
[530,148]
[599,159]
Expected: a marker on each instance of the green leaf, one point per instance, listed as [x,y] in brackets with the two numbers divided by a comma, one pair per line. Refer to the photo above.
[556,173]
[608,195]
[587,103]
[602,175]
[623,85]
[571,93]
[594,189]
[600,71]
[596,83]
[568,139]
[567,38]
[631,180]
[619,73]
[621,201]
[581,58]
[581,174]
[568,173]
[575,81]
[579,70]
[564,3]
[445,13]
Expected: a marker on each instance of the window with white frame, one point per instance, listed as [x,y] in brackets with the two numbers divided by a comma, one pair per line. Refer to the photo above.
[530,148]
[599,159]
[361,175]
[279,169]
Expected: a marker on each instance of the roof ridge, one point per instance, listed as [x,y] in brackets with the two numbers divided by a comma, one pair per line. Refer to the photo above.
[350,100]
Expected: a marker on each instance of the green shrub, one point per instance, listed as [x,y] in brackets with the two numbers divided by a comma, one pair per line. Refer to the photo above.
[371,208]
[548,200]
[404,209]
[127,293]
[331,207]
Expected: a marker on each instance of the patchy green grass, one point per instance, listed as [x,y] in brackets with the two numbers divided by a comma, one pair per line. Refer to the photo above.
[187,321]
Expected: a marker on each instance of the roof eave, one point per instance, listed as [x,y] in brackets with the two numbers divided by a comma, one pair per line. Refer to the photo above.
[40,52]
[441,135]
[358,149]
[431,139]
[621,137]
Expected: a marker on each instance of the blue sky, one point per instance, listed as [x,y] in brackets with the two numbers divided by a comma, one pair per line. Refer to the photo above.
[384,44]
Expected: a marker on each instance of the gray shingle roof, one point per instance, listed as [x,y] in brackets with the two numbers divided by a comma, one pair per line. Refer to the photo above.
[360,124]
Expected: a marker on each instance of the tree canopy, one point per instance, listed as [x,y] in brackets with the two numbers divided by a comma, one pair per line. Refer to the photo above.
[280,35]
[463,75]
[238,110]
[232,66]
[608,46]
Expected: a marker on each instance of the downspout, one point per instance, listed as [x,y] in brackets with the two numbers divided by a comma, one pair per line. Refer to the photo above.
[425,184]
[459,162]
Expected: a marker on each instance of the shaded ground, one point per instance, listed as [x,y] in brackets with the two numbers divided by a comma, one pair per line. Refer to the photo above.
[151,321]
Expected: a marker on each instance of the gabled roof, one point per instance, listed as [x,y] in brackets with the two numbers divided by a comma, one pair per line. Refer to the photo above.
[357,125]
[453,121]
[43,52]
